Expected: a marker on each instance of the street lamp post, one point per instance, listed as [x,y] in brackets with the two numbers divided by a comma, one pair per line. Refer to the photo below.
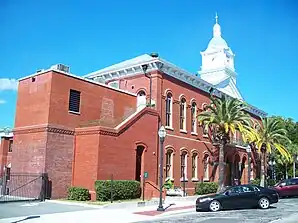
[248,150]
[162,134]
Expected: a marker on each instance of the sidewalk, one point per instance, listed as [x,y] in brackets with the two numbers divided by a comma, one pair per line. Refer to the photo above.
[290,219]
[113,213]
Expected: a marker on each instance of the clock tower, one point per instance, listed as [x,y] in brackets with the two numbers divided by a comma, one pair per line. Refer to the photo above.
[218,64]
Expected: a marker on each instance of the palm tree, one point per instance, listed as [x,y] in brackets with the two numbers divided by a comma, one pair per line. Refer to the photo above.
[225,116]
[284,163]
[270,136]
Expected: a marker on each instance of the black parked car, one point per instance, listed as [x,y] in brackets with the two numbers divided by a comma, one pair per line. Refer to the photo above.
[238,197]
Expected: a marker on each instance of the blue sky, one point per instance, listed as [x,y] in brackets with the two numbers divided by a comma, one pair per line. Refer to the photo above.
[89,35]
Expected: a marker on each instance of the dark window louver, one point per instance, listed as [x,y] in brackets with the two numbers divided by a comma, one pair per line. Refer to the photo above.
[74,101]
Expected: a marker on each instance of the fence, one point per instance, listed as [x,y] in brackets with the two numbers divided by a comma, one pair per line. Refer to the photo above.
[24,187]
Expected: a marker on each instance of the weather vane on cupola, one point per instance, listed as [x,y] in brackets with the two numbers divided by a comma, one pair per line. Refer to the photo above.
[216,18]
[216,27]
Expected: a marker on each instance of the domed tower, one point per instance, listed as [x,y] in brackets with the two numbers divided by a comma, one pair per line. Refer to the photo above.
[218,64]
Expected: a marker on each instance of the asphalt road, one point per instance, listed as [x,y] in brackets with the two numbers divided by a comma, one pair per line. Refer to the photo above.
[283,209]
[19,209]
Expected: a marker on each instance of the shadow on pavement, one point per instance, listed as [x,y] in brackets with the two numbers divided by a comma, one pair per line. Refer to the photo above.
[169,206]
[28,218]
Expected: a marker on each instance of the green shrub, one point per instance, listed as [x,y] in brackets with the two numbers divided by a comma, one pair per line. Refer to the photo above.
[78,194]
[256,182]
[168,184]
[206,188]
[122,189]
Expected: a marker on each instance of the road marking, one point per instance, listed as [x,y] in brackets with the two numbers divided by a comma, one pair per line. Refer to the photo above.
[30,205]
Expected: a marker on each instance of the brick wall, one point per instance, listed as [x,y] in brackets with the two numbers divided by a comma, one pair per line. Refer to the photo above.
[99,153]
[44,129]
[58,161]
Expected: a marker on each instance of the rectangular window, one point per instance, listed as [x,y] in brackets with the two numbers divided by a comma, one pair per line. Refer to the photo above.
[194,165]
[168,164]
[183,166]
[182,114]
[74,101]
[10,146]
[169,110]
[194,117]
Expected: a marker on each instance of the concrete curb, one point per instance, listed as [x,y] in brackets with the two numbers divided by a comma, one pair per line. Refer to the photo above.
[75,204]
[129,204]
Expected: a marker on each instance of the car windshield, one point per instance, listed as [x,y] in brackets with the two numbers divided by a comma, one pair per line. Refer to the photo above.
[224,189]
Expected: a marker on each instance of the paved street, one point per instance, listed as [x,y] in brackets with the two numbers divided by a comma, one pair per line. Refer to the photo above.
[18,209]
[284,208]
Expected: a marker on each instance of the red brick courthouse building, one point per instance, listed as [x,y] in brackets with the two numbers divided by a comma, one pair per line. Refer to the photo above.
[80,129]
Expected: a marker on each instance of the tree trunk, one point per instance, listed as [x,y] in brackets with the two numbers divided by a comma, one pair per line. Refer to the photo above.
[221,167]
[287,171]
[263,163]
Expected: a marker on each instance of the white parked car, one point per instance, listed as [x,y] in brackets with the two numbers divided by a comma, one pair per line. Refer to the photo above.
[177,191]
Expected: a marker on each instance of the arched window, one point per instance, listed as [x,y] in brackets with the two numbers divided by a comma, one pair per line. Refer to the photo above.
[169,109]
[194,164]
[183,114]
[194,117]
[141,93]
[141,99]
[169,164]
[183,168]
[206,167]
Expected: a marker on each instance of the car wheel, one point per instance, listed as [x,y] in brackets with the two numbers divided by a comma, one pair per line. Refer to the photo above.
[264,203]
[214,206]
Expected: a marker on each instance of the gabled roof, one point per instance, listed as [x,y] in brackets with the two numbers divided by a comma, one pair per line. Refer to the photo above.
[134,66]
[228,86]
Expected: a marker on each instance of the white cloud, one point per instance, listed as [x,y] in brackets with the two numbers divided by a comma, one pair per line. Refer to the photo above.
[8,84]
[2,102]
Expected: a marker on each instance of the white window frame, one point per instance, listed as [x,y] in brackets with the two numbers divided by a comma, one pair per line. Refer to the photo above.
[184,153]
[195,177]
[170,124]
[170,171]
[194,118]
[182,118]
[206,169]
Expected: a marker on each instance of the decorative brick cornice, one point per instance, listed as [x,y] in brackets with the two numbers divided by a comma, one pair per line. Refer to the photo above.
[43,128]
[60,131]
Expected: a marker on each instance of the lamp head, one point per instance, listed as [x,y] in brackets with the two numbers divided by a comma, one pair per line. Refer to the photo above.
[162,132]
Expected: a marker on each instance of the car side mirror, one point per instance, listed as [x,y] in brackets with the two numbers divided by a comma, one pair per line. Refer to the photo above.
[227,193]
[282,184]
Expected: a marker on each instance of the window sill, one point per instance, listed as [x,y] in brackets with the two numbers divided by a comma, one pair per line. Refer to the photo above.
[183,131]
[73,112]
[195,180]
[169,128]
[183,180]
[206,180]
[194,133]
[205,136]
